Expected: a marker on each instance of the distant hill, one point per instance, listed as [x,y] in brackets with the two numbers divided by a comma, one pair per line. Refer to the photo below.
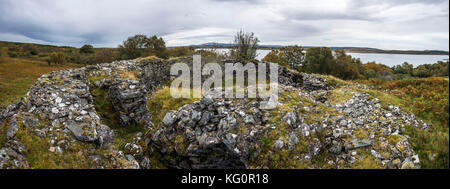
[347,49]
[53,48]
[229,45]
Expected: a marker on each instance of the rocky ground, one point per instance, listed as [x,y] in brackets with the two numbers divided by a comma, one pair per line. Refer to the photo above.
[99,117]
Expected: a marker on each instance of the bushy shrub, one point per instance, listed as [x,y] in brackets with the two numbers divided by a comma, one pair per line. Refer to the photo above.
[30,49]
[378,71]
[88,49]
[104,56]
[426,70]
[346,67]
[404,68]
[12,54]
[291,56]
[275,56]
[14,48]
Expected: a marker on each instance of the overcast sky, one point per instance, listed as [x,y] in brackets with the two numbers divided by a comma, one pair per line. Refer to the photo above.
[385,24]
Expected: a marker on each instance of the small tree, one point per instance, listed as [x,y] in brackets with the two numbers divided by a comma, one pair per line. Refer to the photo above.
[157,46]
[318,60]
[245,46]
[88,49]
[405,68]
[133,47]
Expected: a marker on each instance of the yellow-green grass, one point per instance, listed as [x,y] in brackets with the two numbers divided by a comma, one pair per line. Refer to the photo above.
[17,75]
[161,102]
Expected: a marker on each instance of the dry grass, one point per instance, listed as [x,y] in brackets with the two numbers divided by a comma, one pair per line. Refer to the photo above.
[17,75]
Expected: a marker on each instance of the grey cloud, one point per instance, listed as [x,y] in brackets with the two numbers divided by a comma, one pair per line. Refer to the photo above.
[329,22]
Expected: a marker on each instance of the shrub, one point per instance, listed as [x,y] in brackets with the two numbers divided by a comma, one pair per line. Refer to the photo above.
[104,56]
[275,56]
[181,51]
[30,49]
[378,71]
[292,56]
[88,49]
[56,58]
[405,68]
[345,66]
[318,60]
[82,59]
[14,48]
[12,54]
[426,70]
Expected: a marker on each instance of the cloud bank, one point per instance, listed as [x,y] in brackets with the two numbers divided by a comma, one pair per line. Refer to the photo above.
[385,24]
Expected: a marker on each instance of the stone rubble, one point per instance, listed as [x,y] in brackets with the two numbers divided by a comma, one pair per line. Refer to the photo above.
[209,133]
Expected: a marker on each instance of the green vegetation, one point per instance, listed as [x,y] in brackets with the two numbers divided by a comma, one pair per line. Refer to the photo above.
[291,158]
[140,46]
[321,60]
[428,99]
[88,49]
[40,157]
[161,102]
[181,51]
[292,56]
[17,75]
[245,46]
[56,58]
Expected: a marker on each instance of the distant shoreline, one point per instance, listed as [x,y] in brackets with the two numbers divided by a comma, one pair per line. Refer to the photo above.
[398,52]
[273,47]
[346,49]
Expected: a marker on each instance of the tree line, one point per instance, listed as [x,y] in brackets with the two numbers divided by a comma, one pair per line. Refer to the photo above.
[323,60]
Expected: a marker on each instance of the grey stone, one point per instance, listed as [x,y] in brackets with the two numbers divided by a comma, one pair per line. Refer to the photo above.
[293,139]
[83,131]
[279,144]
[169,118]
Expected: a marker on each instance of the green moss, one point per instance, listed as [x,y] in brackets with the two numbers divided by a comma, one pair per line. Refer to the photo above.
[340,95]
[161,102]
[361,133]
[394,139]
[365,160]
[180,142]
[39,156]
